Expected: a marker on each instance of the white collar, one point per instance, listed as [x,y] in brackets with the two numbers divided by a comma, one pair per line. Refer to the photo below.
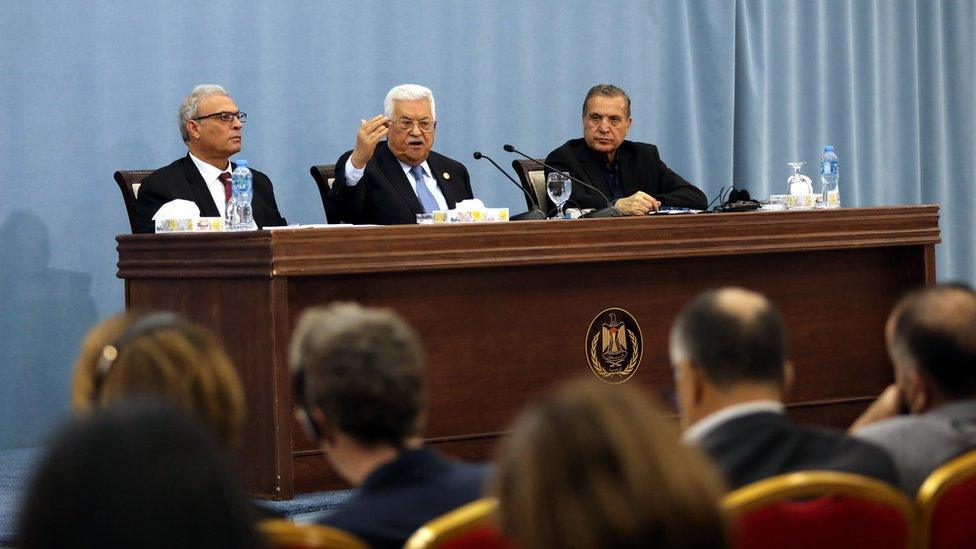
[209,172]
[407,167]
[709,423]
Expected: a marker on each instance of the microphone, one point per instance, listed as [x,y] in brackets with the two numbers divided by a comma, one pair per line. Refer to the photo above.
[534,212]
[609,211]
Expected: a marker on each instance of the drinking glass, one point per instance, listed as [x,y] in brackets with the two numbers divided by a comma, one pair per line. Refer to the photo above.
[798,184]
[559,187]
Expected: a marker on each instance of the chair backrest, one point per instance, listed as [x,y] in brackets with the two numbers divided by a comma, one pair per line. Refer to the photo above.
[470,525]
[129,182]
[533,178]
[821,509]
[324,176]
[284,534]
[947,505]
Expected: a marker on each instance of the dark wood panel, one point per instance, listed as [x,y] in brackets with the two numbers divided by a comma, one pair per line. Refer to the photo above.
[236,310]
[503,309]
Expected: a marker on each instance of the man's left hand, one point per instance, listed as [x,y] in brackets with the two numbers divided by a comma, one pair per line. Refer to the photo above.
[639,203]
[887,405]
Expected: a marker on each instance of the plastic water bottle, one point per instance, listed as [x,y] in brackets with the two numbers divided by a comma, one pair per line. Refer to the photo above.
[829,176]
[243,192]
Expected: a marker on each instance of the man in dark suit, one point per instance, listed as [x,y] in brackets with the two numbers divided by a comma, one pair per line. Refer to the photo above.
[728,352]
[360,390]
[630,174]
[210,124]
[389,183]
[928,416]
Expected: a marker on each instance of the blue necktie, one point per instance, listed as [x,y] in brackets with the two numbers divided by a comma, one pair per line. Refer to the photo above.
[423,193]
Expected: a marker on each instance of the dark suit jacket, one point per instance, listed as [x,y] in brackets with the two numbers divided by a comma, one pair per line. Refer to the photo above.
[384,196]
[641,169]
[765,444]
[402,495]
[182,180]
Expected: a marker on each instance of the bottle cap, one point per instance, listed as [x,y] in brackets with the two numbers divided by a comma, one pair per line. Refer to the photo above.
[241,163]
[828,148]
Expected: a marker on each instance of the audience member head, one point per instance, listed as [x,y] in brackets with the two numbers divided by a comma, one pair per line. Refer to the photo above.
[210,124]
[160,355]
[134,475]
[728,346]
[359,375]
[931,336]
[413,122]
[606,118]
[597,465]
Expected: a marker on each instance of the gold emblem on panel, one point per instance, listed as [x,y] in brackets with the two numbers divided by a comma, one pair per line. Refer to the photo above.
[614,345]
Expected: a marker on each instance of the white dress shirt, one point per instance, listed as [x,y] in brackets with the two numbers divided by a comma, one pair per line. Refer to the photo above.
[354,174]
[211,176]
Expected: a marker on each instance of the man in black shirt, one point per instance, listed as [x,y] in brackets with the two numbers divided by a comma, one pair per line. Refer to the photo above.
[630,174]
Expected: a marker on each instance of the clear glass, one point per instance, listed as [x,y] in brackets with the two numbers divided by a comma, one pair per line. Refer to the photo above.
[798,184]
[559,186]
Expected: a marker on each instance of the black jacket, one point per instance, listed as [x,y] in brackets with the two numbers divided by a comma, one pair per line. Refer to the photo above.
[182,180]
[765,444]
[384,196]
[399,497]
[641,169]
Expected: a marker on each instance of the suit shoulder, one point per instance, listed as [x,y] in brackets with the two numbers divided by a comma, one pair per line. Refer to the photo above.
[168,172]
[568,149]
[641,148]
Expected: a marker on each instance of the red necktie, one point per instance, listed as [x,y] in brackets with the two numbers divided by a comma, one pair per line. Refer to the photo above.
[225,179]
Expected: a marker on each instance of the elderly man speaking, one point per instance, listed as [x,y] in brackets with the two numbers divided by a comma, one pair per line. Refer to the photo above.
[390,182]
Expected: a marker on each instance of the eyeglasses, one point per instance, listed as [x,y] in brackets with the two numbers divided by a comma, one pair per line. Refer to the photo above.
[225,116]
[597,119]
[425,125]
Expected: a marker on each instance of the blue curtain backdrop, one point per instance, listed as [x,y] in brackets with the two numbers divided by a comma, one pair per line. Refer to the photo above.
[729,90]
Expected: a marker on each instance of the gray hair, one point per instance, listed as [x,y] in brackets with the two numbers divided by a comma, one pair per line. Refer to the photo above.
[408,92]
[188,109]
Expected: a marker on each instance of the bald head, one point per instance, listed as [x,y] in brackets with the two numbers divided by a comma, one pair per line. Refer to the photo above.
[732,336]
[933,330]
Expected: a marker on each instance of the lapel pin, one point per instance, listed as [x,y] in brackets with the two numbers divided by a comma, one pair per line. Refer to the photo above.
[446,175]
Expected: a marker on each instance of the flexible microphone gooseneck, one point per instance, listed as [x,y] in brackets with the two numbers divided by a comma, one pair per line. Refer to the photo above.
[534,212]
[608,211]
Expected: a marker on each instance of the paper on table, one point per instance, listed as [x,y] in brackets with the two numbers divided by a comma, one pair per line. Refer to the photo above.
[177,209]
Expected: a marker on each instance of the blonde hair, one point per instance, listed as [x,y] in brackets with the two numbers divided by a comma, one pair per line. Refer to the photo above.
[179,362]
[597,465]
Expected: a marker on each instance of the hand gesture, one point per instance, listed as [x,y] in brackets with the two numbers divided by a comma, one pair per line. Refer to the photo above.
[370,133]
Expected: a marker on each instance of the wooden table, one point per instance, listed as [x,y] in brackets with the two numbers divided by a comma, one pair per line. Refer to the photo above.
[503,308]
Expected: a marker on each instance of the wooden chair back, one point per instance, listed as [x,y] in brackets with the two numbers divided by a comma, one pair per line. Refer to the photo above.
[129,182]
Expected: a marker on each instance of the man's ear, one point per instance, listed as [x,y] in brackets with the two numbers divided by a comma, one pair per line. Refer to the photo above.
[789,376]
[697,382]
[317,416]
[917,391]
[193,129]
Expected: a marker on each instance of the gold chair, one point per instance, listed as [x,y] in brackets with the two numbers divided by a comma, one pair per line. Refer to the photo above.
[533,178]
[947,505]
[285,534]
[129,182]
[324,176]
[455,524]
[821,509]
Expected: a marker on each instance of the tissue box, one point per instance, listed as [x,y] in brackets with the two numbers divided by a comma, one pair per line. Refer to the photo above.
[190,225]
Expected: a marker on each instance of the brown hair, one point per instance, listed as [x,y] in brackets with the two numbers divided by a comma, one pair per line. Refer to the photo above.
[597,465]
[364,369]
[170,358]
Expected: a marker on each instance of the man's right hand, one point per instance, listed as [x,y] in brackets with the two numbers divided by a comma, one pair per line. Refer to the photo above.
[370,133]
[639,203]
